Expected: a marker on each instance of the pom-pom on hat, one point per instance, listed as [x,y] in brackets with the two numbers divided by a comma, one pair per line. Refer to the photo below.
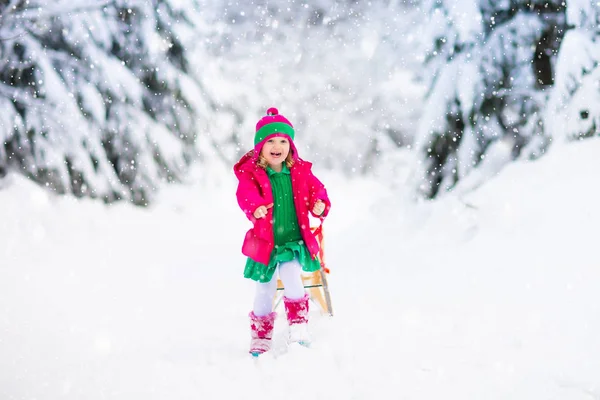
[271,124]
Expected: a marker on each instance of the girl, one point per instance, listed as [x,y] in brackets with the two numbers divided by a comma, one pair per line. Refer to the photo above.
[276,191]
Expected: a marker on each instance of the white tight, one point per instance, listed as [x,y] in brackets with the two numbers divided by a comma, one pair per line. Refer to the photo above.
[291,276]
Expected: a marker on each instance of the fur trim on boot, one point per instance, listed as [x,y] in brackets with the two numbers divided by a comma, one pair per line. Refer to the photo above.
[261,330]
[296,310]
[297,316]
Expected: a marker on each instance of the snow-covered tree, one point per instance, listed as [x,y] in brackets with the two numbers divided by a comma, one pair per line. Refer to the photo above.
[573,110]
[97,97]
[490,68]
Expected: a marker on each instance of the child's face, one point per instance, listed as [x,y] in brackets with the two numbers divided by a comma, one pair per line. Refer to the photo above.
[276,150]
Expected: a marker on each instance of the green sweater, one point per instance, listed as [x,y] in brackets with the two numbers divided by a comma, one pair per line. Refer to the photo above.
[288,240]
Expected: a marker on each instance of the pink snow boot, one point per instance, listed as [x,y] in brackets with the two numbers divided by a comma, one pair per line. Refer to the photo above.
[262,332]
[297,316]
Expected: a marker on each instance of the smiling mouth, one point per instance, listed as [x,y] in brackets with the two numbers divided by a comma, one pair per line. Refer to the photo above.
[276,154]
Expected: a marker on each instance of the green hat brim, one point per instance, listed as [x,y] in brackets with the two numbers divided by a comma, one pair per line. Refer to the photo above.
[274,127]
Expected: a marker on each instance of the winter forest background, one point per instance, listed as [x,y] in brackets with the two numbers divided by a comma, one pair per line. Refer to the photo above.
[112,98]
[486,106]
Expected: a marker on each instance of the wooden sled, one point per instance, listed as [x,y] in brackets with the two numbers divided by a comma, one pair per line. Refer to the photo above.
[315,283]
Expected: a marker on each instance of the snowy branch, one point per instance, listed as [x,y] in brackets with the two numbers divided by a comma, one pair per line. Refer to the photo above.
[9,9]
[63,8]
[38,12]
[16,94]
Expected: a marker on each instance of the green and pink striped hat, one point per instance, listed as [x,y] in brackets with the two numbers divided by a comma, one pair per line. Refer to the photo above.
[273,125]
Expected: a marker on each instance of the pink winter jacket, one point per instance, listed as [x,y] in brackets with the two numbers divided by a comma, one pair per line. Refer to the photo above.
[254,190]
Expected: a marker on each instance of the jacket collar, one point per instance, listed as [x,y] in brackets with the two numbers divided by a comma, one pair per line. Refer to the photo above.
[271,172]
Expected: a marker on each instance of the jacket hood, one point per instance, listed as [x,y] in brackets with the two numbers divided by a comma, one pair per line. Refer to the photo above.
[248,162]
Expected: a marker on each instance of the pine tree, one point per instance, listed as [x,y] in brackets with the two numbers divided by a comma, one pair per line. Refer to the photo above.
[573,110]
[97,97]
[490,68]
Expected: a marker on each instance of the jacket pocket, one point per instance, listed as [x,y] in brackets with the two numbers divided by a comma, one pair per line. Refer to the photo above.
[255,247]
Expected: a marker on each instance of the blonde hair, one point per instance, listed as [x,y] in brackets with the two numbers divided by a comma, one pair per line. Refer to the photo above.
[262,162]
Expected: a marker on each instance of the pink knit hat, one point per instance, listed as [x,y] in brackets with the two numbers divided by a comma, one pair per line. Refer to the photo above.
[273,125]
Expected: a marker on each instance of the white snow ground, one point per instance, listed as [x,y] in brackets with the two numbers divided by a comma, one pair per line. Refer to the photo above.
[491,296]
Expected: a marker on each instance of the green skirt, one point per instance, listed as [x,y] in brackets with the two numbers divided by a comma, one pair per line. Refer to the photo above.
[263,273]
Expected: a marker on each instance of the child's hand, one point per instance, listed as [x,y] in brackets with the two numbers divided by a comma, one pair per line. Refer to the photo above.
[318,208]
[261,211]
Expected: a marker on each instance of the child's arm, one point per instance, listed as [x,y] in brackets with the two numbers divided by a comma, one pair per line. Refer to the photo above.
[248,195]
[318,192]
